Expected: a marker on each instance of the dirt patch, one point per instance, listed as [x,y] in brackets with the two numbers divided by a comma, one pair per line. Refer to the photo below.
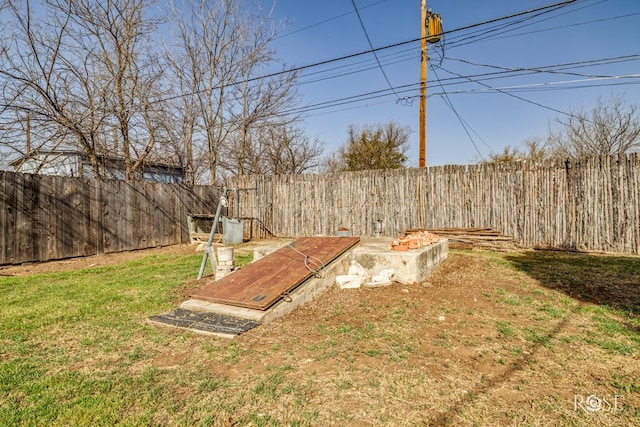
[480,343]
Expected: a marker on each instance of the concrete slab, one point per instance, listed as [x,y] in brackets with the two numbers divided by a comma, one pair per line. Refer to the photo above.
[412,266]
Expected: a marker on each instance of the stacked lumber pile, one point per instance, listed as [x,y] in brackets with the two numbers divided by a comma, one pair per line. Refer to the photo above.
[470,238]
[413,240]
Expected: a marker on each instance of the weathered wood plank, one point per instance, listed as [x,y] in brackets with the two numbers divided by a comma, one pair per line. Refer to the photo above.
[42,242]
[7,205]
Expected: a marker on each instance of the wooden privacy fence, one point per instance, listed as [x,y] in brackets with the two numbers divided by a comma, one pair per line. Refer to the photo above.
[52,217]
[589,204]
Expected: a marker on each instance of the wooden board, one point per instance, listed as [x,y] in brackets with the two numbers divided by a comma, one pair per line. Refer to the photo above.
[265,281]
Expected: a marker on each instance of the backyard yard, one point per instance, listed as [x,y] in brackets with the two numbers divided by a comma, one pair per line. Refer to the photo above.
[494,338]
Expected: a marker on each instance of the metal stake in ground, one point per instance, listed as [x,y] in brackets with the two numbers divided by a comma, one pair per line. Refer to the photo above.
[208,250]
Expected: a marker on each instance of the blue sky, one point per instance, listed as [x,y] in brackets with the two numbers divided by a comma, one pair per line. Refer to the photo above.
[585,30]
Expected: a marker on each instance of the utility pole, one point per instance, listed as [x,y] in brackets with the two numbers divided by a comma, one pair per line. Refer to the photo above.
[423,85]
[431,31]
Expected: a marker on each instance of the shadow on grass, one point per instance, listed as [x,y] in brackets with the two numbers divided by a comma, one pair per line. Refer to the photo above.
[606,280]
[518,364]
[609,281]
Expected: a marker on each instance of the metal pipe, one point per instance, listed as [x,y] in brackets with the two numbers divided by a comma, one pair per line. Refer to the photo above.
[207,250]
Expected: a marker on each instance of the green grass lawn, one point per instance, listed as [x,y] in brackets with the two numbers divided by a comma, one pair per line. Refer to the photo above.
[75,349]
[69,342]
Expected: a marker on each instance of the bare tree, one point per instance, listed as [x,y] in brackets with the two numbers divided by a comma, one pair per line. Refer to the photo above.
[534,151]
[611,127]
[43,104]
[261,103]
[87,75]
[182,126]
[221,47]
[116,37]
[507,155]
[200,64]
[373,147]
[333,163]
[291,151]
[275,149]
[81,75]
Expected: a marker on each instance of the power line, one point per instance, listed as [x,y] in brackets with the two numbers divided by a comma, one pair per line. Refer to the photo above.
[408,54]
[366,66]
[557,69]
[451,81]
[357,54]
[530,86]
[459,79]
[490,33]
[512,95]
[475,78]
[506,72]
[306,115]
[448,102]
[306,111]
[564,27]
[375,54]
[326,20]
[350,99]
